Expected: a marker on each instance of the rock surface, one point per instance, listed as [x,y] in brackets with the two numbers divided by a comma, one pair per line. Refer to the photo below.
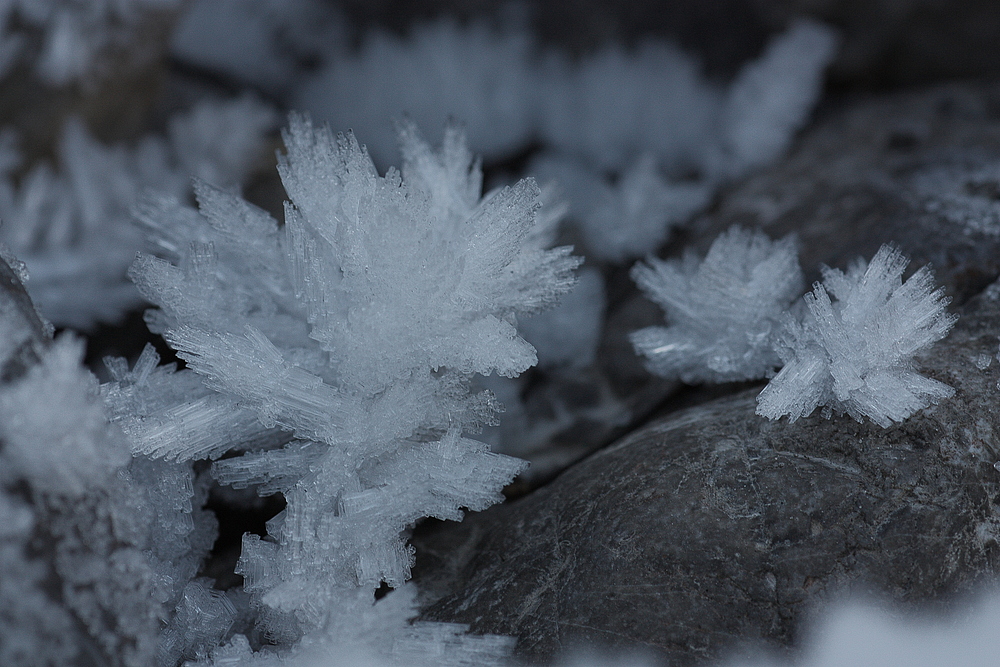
[712,527]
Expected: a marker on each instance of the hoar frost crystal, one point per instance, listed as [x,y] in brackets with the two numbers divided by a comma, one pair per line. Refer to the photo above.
[854,355]
[336,352]
[722,309]
[732,317]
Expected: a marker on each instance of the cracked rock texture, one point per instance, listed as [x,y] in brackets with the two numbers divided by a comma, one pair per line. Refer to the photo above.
[710,528]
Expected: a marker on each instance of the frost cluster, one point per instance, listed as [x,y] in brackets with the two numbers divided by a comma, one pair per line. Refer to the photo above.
[645,117]
[98,545]
[73,226]
[854,354]
[723,310]
[329,360]
[442,70]
[732,317]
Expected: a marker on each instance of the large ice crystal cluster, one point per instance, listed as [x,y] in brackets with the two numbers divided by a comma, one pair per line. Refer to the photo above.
[73,226]
[329,360]
[854,354]
[722,311]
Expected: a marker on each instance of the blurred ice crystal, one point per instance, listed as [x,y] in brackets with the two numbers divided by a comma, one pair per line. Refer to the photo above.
[76,37]
[80,449]
[338,349]
[646,116]
[854,355]
[629,218]
[213,35]
[722,311]
[772,97]
[73,226]
[443,70]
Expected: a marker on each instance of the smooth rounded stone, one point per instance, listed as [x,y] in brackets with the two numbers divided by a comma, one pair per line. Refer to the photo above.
[713,527]
[920,169]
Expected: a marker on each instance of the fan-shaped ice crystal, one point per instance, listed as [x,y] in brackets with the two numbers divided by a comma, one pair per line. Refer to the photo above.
[353,330]
[854,354]
[722,311]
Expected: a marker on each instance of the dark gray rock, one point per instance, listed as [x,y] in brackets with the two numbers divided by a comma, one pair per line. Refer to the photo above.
[714,527]
[920,169]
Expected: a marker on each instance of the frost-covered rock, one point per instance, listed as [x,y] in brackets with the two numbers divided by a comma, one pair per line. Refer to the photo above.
[711,527]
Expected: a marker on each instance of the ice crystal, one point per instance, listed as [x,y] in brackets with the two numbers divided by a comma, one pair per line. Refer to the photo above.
[73,227]
[722,310]
[630,217]
[646,117]
[338,349]
[854,354]
[442,71]
[772,97]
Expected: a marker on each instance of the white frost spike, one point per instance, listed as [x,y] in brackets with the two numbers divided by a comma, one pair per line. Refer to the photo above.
[722,310]
[772,96]
[854,354]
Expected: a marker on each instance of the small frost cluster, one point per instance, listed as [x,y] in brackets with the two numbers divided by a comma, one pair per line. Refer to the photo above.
[723,310]
[73,226]
[732,317]
[853,354]
[334,355]
[77,37]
